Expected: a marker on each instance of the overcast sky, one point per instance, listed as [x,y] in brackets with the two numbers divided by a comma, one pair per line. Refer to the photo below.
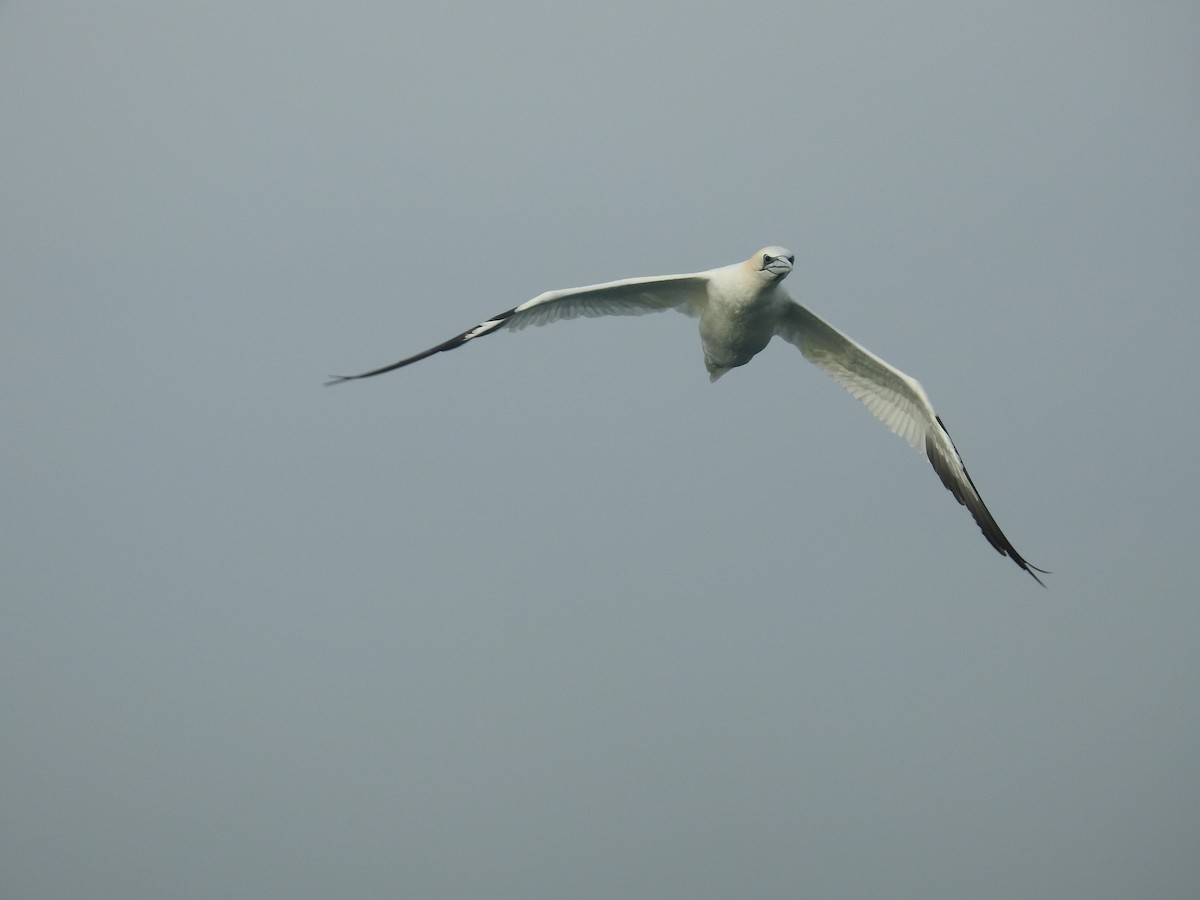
[553,616]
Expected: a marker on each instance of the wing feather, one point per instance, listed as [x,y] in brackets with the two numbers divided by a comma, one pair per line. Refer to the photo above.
[901,404]
[627,297]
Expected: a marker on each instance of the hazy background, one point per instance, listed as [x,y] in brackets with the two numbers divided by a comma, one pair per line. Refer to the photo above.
[553,616]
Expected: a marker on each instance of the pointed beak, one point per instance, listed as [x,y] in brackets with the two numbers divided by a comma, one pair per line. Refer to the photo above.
[777,266]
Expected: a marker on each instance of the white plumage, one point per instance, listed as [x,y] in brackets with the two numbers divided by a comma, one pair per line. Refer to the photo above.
[740,308]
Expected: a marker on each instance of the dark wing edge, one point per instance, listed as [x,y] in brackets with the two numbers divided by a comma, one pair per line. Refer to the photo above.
[455,342]
[949,471]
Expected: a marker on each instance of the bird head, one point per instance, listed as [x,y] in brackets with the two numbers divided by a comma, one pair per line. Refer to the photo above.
[773,263]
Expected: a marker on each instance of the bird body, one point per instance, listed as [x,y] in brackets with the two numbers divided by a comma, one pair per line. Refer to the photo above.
[745,303]
[740,308]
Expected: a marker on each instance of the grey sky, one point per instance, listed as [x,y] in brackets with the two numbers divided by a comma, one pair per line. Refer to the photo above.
[553,616]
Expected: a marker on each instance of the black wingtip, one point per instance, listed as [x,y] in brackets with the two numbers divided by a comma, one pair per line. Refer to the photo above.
[1033,570]
[339,379]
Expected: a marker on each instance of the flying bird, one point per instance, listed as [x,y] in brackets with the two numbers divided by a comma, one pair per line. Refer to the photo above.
[740,308]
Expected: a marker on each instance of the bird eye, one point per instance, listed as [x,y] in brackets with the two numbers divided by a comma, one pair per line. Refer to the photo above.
[766,260]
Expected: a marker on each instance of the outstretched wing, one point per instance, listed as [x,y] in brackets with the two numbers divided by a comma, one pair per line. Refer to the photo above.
[628,297]
[901,404]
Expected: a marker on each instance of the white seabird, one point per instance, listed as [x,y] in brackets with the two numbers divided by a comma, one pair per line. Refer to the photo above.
[740,308]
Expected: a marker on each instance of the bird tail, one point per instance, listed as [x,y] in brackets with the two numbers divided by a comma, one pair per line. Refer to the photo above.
[715,371]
